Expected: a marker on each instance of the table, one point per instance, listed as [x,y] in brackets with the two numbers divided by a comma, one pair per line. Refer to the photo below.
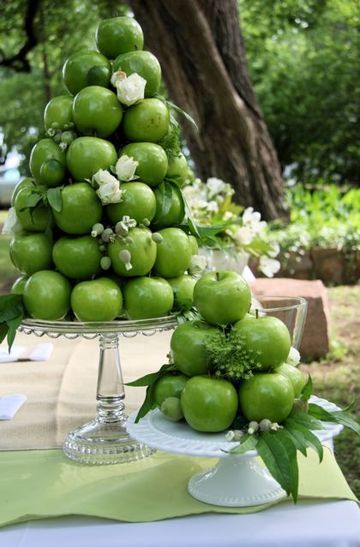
[61,395]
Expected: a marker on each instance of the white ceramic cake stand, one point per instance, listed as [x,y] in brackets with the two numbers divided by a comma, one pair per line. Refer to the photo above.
[236,480]
[103,440]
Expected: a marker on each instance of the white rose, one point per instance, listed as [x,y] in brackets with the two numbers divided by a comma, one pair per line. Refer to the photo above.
[109,192]
[269,266]
[131,89]
[11,222]
[293,357]
[125,168]
[104,177]
[109,187]
[117,77]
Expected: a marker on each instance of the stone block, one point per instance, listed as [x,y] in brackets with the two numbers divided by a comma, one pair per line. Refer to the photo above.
[315,342]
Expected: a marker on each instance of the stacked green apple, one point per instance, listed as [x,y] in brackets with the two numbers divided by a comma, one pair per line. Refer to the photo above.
[99,231]
[230,367]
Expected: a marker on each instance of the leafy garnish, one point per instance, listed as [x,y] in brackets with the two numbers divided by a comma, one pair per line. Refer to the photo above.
[307,390]
[248,442]
[229,358]
[149,380]
[336,416]
[11,314]
[54,198]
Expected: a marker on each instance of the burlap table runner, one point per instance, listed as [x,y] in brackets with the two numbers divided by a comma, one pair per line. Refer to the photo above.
[61,391]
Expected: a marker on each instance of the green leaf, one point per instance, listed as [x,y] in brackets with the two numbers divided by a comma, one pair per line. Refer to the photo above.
[307,390]
[3,331]
[298,438]
[151,378]
[54,198]
[183,113]
[307,420]
[248,442]
[148,404]
[32,200]
[13,325]
[190,219]
[311,439]
[336,416]
[278,453]
[165,198]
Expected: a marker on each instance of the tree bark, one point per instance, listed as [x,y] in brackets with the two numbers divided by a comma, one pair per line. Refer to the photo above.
[201,50]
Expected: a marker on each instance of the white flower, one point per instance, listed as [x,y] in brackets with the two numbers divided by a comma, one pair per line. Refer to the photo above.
[109,187]
[117,77]
[125,168]
[11,222]
[244,235]
[275,249]
[215,186]
[250,216]
[131,89]
[293,357]
[212,206]
[269,266]
[198,264]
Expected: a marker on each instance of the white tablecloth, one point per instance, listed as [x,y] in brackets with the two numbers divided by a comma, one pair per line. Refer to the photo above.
[309,524]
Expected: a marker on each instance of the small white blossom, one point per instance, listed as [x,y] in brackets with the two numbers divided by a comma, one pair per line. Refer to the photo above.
[253,427]
[275,426]
[269,266]
[275,249]
[109,187]
[293,357]
[198,264]
[244,235]
[11,222]
[250,216]
[212,206]
[125,168]
[230,436]
[215,186]
[131,89]
[117,77]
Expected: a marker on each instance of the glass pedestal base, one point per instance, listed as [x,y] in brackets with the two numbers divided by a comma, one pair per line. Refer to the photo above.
[101,443]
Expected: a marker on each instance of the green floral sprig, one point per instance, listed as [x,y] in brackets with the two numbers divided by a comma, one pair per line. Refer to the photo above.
[229,358]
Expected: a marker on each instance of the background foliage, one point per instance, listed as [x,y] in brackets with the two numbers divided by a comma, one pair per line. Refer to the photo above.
[302,56]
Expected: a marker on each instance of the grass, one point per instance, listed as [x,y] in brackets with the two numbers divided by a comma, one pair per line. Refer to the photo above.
[336,377]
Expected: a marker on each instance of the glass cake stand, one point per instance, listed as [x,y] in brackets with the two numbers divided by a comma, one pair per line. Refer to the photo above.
[236,480]
[103,440]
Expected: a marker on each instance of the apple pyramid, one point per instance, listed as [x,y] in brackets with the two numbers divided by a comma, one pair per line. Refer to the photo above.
[99,229]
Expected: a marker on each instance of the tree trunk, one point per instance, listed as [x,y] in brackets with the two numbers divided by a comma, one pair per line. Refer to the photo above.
[200,48]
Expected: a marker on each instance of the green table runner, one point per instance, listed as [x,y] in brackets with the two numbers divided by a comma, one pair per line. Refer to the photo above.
[43,483]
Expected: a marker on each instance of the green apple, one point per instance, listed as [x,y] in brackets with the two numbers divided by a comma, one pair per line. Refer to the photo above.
[86,155]
[96,111]
[194,245]
[169,385]
[189,347]
[183,289]
[152,161]
[173,254]
[118,35]
[31,252]
[96,300]
[171,409]
[77,67]
[266,395]
[141,250]
[81,209]
[138,202]
[19,285]
[58,113]
[25,182]
[143,63]
[147,120]
[47,295]
[52,173]
[77,257]
[45,149]
[266,337]
[178,170]
[36,219]
[294,374]
[222,297]
[147,297]
[170,209]
[209,404]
